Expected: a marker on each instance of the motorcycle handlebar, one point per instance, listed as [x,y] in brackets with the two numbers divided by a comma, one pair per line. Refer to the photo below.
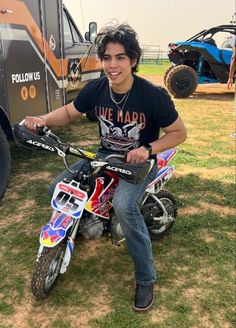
[68,149]
[47,140]
[116,156]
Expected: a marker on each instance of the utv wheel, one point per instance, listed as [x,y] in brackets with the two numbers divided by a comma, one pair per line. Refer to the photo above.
[182,81]
[5,163]
[47,270]
[166,73]
[151,209]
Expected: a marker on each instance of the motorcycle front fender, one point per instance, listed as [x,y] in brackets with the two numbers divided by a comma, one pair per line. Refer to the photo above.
[55,230]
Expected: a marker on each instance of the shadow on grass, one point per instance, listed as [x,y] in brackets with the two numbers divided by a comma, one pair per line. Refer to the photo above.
[193,189]
[201,95]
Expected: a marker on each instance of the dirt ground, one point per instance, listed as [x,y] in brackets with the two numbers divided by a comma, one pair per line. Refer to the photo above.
[212,88]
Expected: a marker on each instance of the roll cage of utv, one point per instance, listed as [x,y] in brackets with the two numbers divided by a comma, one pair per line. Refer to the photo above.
[201,36]
[198,60]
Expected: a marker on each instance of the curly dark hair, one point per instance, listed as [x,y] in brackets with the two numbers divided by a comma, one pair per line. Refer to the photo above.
[123,34]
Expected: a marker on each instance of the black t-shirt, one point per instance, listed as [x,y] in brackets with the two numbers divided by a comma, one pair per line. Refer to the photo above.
[147,109]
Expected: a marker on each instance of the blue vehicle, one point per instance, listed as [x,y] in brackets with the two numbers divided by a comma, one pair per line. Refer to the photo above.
[199,60]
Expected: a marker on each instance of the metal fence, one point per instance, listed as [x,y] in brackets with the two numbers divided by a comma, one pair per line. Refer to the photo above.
[152,54]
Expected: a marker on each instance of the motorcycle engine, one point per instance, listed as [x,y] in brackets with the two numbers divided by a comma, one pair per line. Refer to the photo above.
[91,227]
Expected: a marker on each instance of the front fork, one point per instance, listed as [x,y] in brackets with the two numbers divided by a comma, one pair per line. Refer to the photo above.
[69,247]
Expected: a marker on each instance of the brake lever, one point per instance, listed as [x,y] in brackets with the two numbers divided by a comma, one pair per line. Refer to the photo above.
[46,131]
[42,130]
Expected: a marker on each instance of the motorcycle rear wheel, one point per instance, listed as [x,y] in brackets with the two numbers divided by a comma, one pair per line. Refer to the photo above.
[151,209]
[47,270]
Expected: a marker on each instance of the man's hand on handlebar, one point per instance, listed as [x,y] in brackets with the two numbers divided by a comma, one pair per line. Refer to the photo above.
[33,123]
[138,155]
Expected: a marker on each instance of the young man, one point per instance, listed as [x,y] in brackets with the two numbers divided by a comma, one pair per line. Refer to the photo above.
[131,112]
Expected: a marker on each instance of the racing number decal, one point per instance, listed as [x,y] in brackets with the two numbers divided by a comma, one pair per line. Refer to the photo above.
[71,202]
[69,199]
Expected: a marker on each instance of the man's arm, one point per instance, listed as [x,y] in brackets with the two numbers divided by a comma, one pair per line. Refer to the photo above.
[58,117]
[174,135]
[232,69]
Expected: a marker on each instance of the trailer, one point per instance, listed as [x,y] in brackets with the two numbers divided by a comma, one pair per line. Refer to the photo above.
[44,62]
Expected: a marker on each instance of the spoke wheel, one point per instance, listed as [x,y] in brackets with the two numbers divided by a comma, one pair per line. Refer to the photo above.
[151,209]
[47,270]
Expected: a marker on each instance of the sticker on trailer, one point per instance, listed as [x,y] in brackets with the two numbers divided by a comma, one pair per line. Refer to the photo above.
[52,43]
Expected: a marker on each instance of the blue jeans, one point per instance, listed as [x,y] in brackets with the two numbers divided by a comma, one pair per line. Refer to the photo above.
[126,203]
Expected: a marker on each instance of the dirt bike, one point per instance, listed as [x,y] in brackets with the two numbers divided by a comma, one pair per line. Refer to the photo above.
[83,204]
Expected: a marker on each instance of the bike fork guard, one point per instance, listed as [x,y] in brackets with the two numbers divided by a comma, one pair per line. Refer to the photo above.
[67,256]
[55,230]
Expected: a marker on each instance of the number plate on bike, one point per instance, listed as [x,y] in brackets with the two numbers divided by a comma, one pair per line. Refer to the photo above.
[69,199]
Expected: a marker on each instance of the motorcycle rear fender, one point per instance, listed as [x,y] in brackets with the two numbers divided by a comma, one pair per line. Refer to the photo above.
[55,230]
[165,157]
[163,176]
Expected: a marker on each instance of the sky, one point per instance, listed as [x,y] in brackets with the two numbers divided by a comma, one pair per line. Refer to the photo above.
[157,22]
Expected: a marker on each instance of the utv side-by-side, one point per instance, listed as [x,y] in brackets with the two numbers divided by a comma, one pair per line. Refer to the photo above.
[199,60]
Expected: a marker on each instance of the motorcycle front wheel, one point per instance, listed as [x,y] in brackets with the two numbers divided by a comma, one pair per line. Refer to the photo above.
[47,270]
[157,222]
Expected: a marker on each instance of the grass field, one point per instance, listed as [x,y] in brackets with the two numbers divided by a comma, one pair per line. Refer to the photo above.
[194,263]
[159,70]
